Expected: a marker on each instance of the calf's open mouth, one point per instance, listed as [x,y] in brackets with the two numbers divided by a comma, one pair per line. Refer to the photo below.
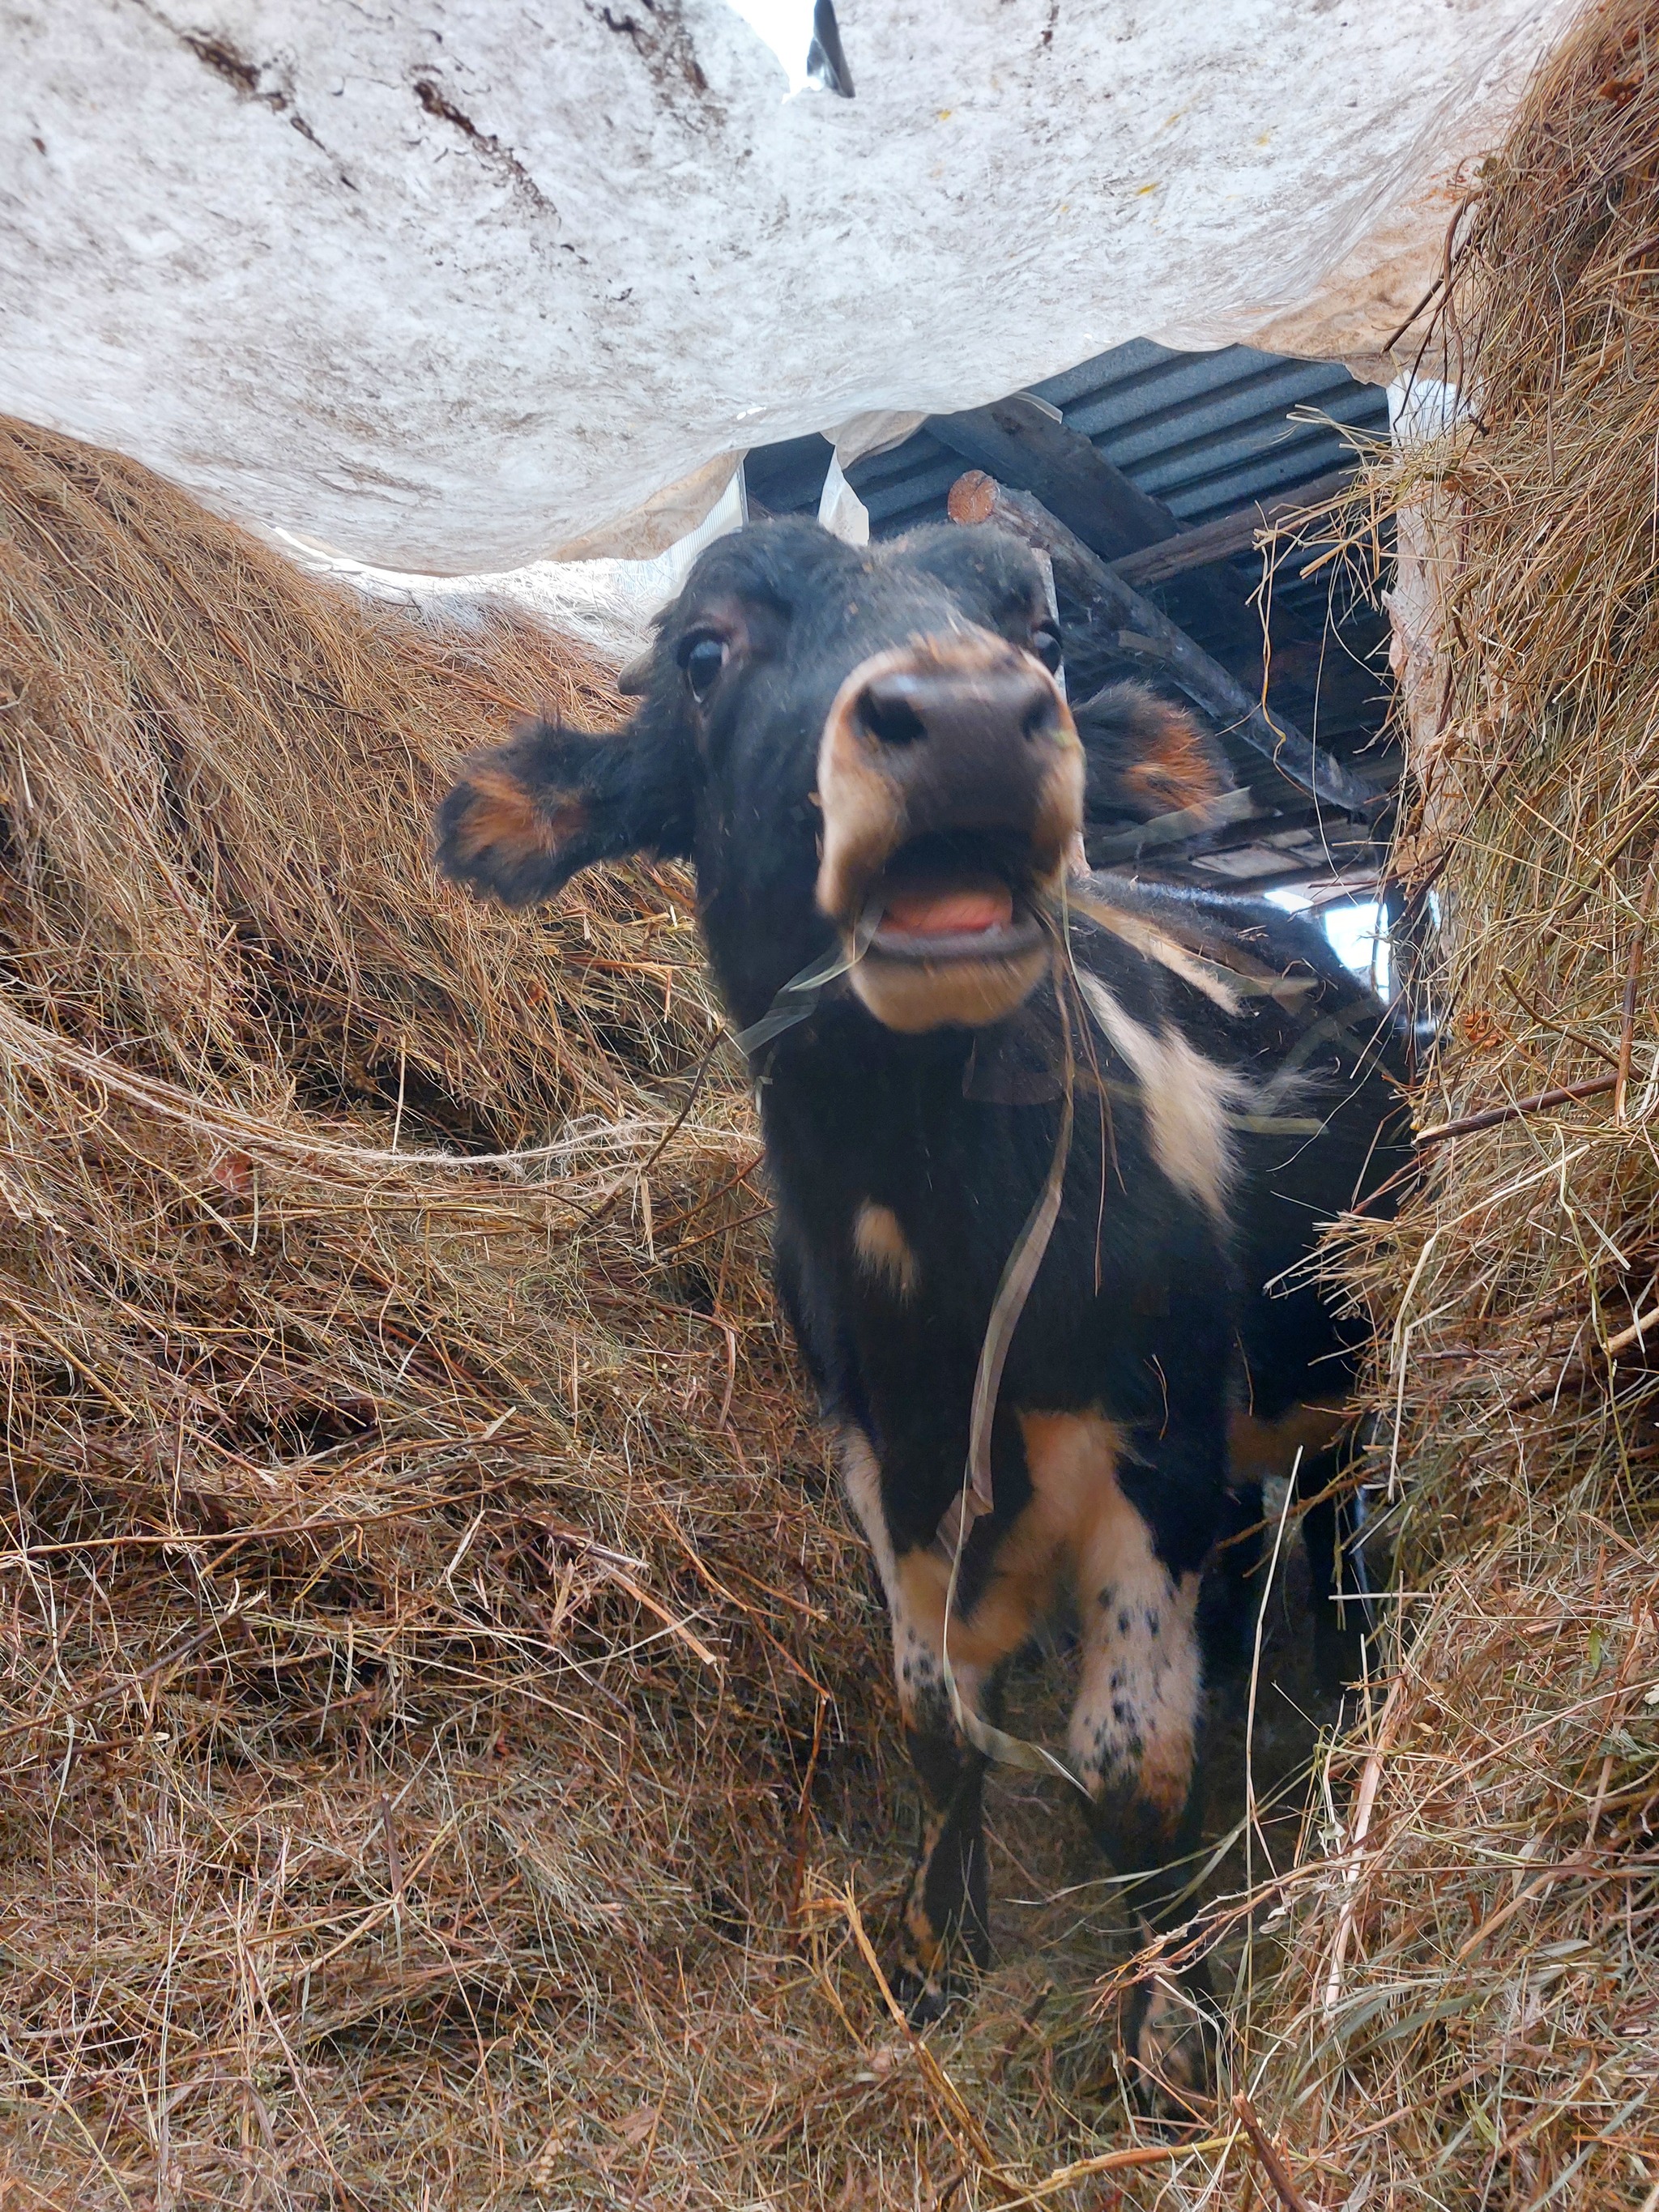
[955,940]
[934,907]
[951,782]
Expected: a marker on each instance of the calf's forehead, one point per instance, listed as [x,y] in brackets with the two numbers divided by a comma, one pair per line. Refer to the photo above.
[828,593]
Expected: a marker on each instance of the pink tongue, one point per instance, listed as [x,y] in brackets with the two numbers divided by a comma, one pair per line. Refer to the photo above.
[948,914]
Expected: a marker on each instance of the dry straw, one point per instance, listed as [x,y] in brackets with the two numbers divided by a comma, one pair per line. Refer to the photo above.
[415,1606]
[439,1731]
[1468,2012]
[441,1708]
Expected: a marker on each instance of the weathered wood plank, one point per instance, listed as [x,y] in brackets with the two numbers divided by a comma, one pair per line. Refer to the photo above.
[1142,629]
[1227,535]
[1017,441]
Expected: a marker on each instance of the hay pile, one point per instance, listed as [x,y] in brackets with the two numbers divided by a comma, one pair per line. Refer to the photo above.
[442,1714]
[1469,2012]
[418,1617]
[437,1719]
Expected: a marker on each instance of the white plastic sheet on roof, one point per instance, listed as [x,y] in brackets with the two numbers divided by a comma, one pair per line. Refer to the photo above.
[462,285]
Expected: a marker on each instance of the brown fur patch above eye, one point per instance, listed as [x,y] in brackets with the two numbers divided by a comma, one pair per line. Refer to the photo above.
[503,817]
[1176,768]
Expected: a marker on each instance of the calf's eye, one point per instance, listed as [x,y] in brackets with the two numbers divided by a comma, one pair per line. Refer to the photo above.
[703,659]
[1045,643]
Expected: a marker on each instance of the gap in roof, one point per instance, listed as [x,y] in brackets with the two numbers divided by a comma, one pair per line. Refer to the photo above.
[804,38]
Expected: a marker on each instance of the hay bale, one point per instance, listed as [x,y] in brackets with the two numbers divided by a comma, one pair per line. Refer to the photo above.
[1468,2013]
[414,1570]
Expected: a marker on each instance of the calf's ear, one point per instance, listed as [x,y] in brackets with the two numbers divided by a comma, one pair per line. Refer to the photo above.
[1145,757]
[525,816]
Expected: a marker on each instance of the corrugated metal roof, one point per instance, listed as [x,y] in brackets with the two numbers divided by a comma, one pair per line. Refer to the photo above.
[1206,432]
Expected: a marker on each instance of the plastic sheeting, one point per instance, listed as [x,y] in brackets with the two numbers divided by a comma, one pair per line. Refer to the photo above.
[606,604]
[455,287]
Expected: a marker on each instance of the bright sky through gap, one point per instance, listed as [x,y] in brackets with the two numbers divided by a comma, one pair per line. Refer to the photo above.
[785,26]
[1357,929]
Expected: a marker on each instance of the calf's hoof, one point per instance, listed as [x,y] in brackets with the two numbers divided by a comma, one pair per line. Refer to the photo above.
[925,1996]
[1172,2038]
[929,1982]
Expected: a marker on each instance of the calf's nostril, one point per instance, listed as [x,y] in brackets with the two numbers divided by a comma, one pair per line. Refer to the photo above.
[886,711]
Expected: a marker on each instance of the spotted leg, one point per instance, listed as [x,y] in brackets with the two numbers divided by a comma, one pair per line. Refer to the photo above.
[1134,1735]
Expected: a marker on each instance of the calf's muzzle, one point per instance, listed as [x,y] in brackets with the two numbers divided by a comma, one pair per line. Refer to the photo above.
[951,779]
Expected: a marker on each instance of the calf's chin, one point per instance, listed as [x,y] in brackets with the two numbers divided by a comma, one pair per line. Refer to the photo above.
[912,995]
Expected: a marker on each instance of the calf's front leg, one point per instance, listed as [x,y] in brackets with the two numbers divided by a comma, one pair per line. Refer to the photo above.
[946,1906]
[946,1919]
[1133,1728]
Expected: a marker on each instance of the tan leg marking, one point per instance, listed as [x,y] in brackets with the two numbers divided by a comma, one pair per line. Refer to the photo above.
[1258,1450]
[916,1611]
[926,1951]
[1036,1554]
[882,1248]
[1135,1722]
[1134,1725]
[915,1603]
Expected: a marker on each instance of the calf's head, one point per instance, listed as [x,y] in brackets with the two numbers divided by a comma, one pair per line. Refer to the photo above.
[869,744]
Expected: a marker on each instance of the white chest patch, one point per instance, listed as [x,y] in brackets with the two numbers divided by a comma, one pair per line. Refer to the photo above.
[1187,1098]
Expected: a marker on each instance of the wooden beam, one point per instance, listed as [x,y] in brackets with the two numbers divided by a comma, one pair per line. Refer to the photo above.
[1018,442]
[1227,535]
[1142,629]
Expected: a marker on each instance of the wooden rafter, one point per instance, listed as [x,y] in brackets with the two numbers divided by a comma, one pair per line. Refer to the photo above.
[1143,630]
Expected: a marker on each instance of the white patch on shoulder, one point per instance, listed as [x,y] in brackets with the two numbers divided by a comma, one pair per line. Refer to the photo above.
[1189,1098]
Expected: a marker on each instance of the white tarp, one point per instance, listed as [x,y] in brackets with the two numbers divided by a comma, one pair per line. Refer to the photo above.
[463,285]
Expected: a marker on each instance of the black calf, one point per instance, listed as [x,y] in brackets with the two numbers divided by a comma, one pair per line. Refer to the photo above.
[868,749]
